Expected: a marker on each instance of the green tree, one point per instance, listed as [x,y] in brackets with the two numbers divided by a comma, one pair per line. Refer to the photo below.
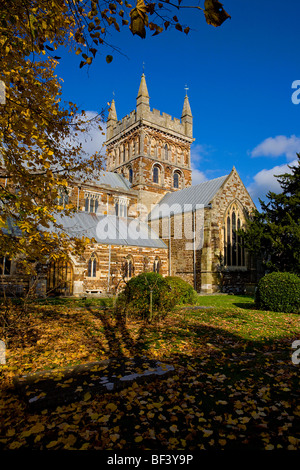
[274,233]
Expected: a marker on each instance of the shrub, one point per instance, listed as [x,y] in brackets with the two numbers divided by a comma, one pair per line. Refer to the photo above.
[279,292]
[185,294]
[135,298]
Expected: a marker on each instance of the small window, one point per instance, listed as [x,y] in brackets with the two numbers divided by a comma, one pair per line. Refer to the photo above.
[156,265]
[128,268]
[130,175]
[176,180]
[155,174]
[92,266]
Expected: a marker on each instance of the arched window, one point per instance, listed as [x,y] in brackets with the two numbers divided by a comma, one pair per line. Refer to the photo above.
[155,174]
[166,152]
[156,265]
[92,266]
[130,175]
[234,251]
[129,269]
[176,179]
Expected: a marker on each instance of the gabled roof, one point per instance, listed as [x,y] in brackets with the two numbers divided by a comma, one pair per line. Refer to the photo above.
[185,200]
[109,229]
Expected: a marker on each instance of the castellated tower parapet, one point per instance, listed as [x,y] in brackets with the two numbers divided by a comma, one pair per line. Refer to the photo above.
[150,148]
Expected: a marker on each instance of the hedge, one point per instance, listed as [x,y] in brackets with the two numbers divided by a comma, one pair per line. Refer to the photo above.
[279,292]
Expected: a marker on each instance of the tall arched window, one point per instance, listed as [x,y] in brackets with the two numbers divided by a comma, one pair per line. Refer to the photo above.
[130,175]
[92,266]
[234,251]
[176,179]
[129,269]
[156,265]
[155,174]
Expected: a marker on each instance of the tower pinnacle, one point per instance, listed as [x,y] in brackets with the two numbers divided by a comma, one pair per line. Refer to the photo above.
[142,100]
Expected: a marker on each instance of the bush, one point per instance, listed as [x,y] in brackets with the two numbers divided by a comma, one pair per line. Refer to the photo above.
[135,298]
[184,292]
[279,292]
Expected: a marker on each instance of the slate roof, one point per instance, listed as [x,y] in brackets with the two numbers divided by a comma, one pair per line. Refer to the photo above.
[186,199]
[114,180]
[109,229]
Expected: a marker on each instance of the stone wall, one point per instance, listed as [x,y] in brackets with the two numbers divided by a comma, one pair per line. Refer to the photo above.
[110,263]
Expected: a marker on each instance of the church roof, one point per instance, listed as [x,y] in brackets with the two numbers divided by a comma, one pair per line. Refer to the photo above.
[109,229]
[185,200]
[108,178]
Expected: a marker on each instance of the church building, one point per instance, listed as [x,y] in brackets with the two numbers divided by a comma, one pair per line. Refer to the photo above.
[143,213]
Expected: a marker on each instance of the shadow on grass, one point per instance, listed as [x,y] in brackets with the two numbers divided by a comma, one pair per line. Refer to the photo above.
[245,305]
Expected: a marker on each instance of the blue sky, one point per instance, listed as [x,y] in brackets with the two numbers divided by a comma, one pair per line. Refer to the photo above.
[239,77]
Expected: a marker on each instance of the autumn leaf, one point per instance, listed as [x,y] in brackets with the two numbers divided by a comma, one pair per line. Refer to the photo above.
[139,19]
[215,13]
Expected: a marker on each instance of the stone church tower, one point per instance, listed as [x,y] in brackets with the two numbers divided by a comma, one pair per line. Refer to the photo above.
[150,148]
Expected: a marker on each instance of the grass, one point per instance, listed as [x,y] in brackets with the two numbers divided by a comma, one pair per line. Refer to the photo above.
[234,387]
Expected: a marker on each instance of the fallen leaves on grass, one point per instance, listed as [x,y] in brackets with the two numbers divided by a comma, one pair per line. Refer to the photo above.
[234,384]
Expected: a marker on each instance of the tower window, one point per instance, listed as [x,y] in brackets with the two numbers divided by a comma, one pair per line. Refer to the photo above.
[155,174]
[176,180]
[130,175]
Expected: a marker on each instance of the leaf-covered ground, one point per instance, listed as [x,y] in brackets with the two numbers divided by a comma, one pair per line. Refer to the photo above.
[234,387]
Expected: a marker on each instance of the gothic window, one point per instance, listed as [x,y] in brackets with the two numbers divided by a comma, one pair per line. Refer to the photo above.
[234,252]
[129,269]
[130,175]
[176,179]
[156,173]
[92,266]
[156,265]
[5,266]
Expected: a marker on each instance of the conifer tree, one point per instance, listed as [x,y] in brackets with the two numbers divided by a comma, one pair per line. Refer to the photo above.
[274,233]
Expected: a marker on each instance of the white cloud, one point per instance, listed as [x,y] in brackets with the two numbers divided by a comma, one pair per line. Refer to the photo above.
[278,146]
[197,176]
[265,180]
